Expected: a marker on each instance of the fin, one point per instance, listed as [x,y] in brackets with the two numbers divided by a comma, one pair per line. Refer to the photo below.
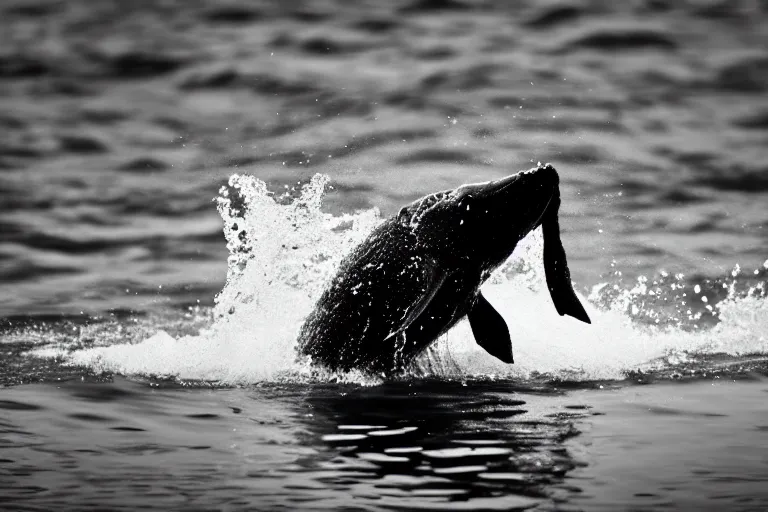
[434,279]
[490,330]
[556,267]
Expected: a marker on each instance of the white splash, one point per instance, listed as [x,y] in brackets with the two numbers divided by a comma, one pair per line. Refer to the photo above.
[283,252]
[281,255]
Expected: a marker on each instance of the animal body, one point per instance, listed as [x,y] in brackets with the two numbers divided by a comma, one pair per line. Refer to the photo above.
[420,272]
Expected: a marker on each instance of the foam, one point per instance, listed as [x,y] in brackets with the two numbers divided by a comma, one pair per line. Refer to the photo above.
[283,251]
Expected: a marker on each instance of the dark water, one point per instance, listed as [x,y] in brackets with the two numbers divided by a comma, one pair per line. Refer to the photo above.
[409,446]
[119,123]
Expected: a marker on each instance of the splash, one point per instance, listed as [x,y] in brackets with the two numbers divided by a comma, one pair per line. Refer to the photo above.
[284,249]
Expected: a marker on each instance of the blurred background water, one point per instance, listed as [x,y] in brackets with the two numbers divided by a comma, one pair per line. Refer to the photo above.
[120,122]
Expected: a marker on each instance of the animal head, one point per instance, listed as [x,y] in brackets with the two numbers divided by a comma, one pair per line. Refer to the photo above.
[483,221]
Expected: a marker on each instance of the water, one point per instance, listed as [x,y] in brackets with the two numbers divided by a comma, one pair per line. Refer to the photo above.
[149,354]
[400,446]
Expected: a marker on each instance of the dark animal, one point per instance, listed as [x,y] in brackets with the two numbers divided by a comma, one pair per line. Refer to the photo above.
[420,272]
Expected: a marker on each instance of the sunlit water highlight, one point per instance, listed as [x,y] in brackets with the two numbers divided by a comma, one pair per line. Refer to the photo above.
[284,249]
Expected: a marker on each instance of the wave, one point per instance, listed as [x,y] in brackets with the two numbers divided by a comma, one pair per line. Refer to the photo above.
[283,249]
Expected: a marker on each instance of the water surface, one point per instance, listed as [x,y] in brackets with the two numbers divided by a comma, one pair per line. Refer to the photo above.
[179,180]
[406,446]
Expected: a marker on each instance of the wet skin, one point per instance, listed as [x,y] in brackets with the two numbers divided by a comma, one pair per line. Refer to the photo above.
[420,272]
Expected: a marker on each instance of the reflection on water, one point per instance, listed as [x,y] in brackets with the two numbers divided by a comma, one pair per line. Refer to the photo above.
[401,446]
[445,442]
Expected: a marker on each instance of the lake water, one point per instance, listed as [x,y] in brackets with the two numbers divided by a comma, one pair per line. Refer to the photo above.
[179,180]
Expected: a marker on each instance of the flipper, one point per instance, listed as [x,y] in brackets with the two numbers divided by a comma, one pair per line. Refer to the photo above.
[490,330]
[434,278]
[556,267]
